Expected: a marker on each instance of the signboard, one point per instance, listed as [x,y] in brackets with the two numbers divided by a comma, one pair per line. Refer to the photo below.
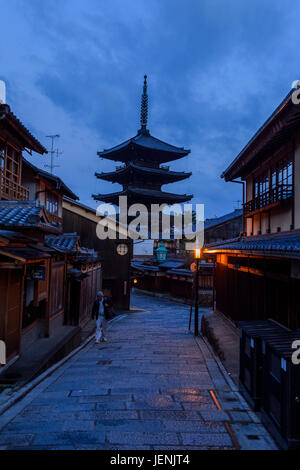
[193,267]
[37,273]
[122,249]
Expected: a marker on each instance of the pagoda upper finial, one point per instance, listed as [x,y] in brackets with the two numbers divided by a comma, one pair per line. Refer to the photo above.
[144,108]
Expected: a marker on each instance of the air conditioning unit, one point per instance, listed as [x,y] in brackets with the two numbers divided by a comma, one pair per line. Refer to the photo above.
[280,406]
[252,333]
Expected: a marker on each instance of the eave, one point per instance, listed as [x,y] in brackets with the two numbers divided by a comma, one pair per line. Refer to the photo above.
[274,132]
[278,245]
[144,147]
[162,174]
[26,138]
[144,195]
[55,180]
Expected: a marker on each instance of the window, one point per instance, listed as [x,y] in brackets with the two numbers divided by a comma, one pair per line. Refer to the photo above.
[282,174]
[51,202]
[2,155]
[285,172]
[274,178]
[272,186]
[12,170]
[261,184]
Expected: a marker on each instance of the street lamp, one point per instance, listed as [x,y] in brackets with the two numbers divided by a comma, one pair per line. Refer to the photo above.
[197,256]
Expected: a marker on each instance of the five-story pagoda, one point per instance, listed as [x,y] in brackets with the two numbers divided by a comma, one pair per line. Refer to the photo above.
[143,174]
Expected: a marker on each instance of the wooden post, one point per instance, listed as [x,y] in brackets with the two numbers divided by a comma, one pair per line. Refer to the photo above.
[196,330]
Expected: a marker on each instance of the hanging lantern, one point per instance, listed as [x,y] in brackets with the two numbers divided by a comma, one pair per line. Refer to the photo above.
[161,253]
[122,249]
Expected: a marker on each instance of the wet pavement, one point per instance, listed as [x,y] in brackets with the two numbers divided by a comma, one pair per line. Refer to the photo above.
[152,386]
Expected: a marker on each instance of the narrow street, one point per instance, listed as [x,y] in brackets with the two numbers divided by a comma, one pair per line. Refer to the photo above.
[152,386]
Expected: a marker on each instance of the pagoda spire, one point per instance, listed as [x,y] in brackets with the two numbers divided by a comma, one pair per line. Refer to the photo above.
[142,175]
[144,109]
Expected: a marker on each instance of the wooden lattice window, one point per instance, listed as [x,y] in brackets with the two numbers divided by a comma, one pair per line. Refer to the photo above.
[261,184]
[57,287]
[2,155]
[12,166]
[51,202]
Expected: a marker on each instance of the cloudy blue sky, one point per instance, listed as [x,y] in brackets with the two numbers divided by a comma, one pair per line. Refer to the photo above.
[216,68]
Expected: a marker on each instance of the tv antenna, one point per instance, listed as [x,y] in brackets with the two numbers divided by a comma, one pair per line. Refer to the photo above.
[237,204]
[52,152]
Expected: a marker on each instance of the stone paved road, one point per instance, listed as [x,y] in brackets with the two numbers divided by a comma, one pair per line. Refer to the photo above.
[152,386]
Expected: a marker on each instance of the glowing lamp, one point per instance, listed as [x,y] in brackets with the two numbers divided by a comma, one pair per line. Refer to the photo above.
[161,253]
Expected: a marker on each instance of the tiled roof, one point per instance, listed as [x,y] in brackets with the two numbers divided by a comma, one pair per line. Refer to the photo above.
[85,255]
[20,214]
[23,253]
[140,266]
[282,245]
[15,236]
[208,223]
[164,174]
[146,141]
[65,243]
[181,272]
[68,243]
[172,264]
[52,178]
[155,195]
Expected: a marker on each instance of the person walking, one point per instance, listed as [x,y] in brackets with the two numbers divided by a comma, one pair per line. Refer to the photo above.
[101,312]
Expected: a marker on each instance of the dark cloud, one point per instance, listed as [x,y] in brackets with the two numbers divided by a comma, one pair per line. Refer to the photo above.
[216,70]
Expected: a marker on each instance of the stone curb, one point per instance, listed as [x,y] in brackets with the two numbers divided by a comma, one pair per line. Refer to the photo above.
[38,380]
[228,379]
[234,388]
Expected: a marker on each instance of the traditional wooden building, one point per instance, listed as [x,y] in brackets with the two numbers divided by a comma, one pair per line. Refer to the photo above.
[258,274]
[37,260]
[143,174]
[47,189]
[216,229]
[115,255]
[223,228]
[14,139]
[37,267]
[174,277]
[80,274]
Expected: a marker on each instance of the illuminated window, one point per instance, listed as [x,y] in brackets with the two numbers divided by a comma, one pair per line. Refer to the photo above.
[122,249]
[51,202]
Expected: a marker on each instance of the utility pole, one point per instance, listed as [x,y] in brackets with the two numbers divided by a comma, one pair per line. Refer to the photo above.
[197,254]
[52,152]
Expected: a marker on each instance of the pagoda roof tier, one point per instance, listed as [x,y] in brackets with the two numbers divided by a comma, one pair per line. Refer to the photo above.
[144,147]
[164,175]
[143,195]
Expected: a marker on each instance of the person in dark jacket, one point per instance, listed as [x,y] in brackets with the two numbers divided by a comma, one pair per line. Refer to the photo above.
[101,313]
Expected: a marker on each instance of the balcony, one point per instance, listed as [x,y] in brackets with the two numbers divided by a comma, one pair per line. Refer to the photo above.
[271,198]
[12,191]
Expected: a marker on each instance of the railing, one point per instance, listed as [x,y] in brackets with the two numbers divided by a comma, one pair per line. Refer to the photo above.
[54,218]
[12,191]
[277,194]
